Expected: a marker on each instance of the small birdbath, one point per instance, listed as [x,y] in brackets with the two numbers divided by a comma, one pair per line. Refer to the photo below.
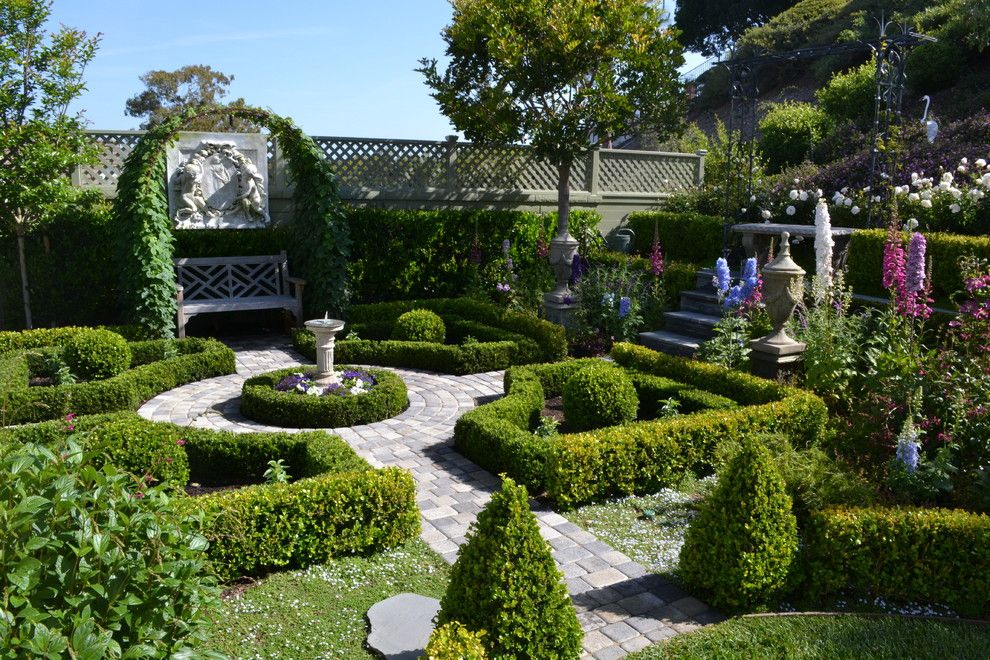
[324,329]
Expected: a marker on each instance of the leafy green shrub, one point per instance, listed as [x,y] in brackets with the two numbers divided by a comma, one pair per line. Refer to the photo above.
[506,582]
[653,391]
[905,554]
[419,325]
[849,96]
[261,402]
[599,395]
[97,354]
[259,529]
[932,67]
[815,481]
[452,641]
[740,547]
[790,131]
[96,566]
[144,448]
[41,337]
[806,22]
[196,359]
[690,237]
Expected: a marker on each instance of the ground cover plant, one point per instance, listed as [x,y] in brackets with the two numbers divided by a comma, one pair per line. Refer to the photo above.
[319,611]
[480,337]
[290,398]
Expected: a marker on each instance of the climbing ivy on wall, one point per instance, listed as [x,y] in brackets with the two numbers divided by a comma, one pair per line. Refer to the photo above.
[318,239]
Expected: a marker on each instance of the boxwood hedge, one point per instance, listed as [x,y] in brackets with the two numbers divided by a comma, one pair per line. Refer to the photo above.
[902,554]
[639,457]
[338,504]
[261,402]
[504,338]
[156,366]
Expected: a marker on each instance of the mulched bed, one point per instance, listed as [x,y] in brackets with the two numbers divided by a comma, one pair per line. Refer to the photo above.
[195,489]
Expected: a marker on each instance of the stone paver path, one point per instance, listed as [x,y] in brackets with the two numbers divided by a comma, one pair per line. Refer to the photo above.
[621,606]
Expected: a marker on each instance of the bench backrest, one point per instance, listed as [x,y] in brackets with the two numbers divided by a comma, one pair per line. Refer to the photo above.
[232,278]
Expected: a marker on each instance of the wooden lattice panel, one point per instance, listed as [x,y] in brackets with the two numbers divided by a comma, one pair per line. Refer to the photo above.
[386,164]
[114,149]
[635,172]
[229,281]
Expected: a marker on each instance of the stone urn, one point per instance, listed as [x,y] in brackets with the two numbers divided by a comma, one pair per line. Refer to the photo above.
[324,329]
[783,289]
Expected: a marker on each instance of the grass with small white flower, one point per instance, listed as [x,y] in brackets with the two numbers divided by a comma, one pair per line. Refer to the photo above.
[319,612]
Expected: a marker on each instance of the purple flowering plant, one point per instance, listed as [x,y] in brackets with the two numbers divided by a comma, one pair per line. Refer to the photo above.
[346,382]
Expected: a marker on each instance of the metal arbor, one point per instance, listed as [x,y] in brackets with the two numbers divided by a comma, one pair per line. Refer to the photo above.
[890,54]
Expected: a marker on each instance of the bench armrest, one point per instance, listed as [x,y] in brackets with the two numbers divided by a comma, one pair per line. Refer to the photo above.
[298,281]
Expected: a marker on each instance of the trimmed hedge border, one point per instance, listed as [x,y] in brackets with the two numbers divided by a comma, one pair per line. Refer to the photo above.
[504,338]
[640,457]
[908,554]
[261,402]
[151,374]
[337,506]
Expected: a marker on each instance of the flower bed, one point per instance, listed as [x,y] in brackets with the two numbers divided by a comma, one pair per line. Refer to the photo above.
[156,366]
[290,398]
[337,506]
[482,337]
[638,457]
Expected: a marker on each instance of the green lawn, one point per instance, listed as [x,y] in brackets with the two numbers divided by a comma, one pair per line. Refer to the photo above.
[828,638]
[319,612]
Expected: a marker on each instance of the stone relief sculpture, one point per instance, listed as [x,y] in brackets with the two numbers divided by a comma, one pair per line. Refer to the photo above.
[219,187]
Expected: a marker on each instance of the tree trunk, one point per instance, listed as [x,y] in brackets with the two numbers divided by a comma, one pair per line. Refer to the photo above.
[24,278]
[563,247]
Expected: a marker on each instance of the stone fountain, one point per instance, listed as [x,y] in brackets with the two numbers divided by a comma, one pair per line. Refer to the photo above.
[324,329]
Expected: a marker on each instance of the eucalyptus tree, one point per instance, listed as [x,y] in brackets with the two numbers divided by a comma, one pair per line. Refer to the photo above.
[41,73]
[195,85]
[709,26]
[561,75]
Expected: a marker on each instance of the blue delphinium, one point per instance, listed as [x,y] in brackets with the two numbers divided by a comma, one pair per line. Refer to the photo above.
[741,292]
[625,306]
[722,278]
[908,447]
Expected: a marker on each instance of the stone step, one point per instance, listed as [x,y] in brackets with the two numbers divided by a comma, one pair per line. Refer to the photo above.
[703,302]
[692,324]
[670,343]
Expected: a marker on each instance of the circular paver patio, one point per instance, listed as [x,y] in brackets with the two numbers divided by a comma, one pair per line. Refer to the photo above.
[621,606]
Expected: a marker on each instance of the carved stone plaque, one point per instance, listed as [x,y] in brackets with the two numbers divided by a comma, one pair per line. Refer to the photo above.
[218,180]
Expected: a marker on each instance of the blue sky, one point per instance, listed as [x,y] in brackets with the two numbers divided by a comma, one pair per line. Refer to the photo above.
[337,67]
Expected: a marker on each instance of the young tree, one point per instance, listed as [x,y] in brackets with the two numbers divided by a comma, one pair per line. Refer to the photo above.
[563,75]
[194,85]
[40,142]
[709,26]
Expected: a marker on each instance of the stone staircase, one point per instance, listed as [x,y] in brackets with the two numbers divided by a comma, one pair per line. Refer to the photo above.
[686,328]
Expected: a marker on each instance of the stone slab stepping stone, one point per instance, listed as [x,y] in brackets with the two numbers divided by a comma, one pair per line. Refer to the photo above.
[401,625]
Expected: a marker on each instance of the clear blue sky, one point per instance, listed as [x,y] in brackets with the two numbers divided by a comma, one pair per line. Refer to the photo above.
[337,67]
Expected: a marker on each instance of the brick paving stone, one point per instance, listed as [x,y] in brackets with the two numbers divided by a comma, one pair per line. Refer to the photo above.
[618,601]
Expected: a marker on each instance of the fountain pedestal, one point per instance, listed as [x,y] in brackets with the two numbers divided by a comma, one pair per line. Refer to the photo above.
[324,329]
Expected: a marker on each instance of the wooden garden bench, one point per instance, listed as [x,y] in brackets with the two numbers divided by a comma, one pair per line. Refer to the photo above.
[234,284]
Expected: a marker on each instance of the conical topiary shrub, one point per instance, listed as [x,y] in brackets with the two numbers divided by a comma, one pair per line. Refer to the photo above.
[506,582]
[739,548]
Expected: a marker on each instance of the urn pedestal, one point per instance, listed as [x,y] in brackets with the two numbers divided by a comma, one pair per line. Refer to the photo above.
[783,288]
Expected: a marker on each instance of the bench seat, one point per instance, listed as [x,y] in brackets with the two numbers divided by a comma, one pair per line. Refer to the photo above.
[234,284]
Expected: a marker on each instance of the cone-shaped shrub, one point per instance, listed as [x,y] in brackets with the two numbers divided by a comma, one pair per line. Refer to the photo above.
[452,641]
[739,548]
[506,583]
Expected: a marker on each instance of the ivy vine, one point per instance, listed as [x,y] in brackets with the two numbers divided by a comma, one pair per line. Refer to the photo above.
[319,242]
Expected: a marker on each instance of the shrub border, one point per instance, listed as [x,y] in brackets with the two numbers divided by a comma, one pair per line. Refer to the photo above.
[261,402]
[198,359]
[639,457]
[338,505]
[510,338]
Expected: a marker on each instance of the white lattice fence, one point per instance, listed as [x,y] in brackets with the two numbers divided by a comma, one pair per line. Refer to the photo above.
[625,171]
[385,164]
[114,149]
